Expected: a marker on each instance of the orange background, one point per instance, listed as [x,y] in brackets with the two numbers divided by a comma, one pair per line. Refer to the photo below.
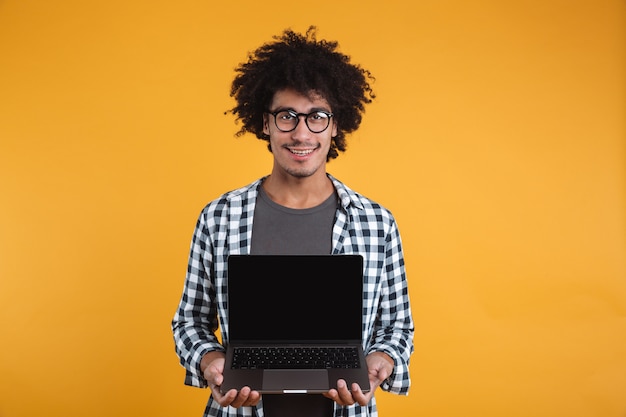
[497,140]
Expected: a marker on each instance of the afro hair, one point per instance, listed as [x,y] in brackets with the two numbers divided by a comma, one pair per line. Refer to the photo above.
[310,67]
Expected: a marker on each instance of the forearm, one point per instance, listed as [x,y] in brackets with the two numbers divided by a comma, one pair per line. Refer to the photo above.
[194,327]
[193,341]
[394,329]
[398,345]
[196,320]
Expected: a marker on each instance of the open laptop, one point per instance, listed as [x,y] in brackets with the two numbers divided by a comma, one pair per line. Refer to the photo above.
[294,301]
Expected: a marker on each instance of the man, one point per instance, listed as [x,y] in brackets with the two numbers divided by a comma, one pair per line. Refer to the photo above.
[301,96]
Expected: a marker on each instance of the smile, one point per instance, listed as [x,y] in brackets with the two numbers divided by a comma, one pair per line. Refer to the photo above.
[301,152]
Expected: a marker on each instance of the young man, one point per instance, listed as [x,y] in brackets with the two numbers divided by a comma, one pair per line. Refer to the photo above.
[301,96]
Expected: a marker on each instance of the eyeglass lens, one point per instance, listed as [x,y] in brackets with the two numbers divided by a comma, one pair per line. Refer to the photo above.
[316,121]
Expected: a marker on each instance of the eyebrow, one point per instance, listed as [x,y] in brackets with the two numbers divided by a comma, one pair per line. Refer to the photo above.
[312,110]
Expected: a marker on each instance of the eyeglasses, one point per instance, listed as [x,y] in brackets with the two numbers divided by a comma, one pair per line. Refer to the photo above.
[287,120]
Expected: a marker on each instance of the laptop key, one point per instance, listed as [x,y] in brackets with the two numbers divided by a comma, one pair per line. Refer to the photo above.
[295,358]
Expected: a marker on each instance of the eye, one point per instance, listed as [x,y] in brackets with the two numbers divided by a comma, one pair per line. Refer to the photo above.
[318,115]
[287,115]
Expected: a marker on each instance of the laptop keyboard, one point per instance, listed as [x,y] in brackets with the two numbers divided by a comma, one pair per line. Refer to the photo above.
[295,357]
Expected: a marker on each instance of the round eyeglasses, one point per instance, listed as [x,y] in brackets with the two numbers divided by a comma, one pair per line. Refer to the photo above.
[287,120]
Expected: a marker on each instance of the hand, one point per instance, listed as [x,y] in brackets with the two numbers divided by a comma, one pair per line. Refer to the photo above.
[212,366]
[379,367]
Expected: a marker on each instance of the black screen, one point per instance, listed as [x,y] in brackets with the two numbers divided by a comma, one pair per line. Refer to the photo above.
[295,297]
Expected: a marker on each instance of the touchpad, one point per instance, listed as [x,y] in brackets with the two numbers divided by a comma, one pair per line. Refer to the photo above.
[292,379]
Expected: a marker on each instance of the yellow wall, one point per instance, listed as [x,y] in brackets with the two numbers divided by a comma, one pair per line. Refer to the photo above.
[498,141]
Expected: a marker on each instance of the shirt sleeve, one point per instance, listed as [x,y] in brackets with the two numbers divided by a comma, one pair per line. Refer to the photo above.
[393,332]
[195,323]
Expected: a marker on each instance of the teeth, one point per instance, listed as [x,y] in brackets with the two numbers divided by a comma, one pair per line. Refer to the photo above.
[301,153]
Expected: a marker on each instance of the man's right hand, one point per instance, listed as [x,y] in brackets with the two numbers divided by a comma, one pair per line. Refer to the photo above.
[212,367]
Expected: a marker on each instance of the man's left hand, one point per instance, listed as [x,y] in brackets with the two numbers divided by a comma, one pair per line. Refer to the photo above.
[379,366]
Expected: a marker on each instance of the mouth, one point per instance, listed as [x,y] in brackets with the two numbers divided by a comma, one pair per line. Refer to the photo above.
[301,151]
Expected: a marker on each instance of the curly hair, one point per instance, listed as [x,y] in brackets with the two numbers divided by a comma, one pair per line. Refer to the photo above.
[310,67]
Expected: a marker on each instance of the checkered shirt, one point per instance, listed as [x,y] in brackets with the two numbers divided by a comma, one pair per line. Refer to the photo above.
[361,227]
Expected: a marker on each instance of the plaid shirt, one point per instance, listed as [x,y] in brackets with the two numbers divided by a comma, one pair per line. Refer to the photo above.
[361,226]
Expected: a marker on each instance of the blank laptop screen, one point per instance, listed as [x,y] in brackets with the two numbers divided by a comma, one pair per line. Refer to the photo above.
[295,298]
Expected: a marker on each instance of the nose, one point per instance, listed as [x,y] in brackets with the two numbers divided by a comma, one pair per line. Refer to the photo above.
[301,130]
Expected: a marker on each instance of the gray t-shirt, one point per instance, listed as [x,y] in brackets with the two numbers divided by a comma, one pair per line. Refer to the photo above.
[283,230]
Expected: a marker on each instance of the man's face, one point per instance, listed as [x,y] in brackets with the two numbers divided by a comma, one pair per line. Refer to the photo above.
[299,153]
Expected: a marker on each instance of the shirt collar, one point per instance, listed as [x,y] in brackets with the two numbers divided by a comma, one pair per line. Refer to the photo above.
[345,194]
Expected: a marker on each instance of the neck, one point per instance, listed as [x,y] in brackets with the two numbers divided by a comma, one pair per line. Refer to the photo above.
[298,193]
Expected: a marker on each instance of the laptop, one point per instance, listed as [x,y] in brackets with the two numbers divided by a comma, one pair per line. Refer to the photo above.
[294,303]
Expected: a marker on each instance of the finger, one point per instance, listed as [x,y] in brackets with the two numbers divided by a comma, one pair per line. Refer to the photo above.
[377,377]
[224,399]
[331,394]
[383,373]
[241,397]
[214,375]
[359,396]
[345,396]
[253,399]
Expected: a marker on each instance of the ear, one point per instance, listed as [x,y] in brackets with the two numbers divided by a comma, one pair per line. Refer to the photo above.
[266,121]
[334,130]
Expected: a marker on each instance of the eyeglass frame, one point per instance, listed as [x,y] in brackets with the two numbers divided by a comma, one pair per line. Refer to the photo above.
[298,115]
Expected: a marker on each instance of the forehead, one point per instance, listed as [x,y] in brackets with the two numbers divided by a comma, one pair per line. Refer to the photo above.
[289,98]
